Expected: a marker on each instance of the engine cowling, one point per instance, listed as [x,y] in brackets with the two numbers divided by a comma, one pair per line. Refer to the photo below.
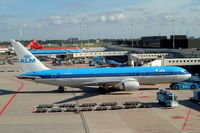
[128,85]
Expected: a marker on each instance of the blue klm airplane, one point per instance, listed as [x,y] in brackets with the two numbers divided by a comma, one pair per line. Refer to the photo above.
[123,78]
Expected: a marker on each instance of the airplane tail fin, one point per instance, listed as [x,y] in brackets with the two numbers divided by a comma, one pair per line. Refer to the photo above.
[34,44]
[28,61]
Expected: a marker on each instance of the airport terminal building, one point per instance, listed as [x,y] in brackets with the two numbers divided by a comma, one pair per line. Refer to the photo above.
[180,42]
[150,50]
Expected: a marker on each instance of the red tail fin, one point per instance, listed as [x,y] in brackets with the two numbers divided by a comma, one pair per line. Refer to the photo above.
[34,44]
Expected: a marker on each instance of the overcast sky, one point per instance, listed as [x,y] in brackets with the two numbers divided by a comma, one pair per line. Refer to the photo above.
[61,19]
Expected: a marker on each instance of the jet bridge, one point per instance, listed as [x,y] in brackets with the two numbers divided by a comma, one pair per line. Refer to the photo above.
[95,54]
[141,58]
[161,59]
[174,62]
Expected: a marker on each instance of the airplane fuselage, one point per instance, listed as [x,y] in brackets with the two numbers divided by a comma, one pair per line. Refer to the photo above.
[98,76]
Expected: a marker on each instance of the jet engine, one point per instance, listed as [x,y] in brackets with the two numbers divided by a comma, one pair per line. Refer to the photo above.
[128,85]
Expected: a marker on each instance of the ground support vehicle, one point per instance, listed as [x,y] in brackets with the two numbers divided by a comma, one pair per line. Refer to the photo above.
[166,98]
[196,96]
[185,85]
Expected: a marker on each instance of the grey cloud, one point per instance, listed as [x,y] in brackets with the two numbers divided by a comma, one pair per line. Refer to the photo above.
[109,16]
[57,20]
[7,26]
[135,9]
[8,16]
[105,13]
[112,18]
[168,16]
[62,20]
[195,9]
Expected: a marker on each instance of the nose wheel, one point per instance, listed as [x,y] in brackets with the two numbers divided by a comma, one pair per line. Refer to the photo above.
[104,89]
[61,89]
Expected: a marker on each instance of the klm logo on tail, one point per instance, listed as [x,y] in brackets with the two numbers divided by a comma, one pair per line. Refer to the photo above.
[27,59]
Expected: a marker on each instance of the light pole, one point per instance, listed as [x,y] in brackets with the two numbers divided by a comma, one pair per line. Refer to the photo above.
[132,38]
[182,26]
[173,20]
[199,26]
[80,32]
[20,33]
[160,29]
[88,27]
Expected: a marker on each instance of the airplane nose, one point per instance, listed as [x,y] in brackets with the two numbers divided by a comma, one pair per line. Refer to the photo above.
[188,76]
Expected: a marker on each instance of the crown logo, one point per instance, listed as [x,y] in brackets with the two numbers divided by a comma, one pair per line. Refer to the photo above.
[27,56]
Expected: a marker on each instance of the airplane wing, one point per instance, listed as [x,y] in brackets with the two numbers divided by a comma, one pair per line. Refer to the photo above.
[128,84]
[28,77]
[102,82]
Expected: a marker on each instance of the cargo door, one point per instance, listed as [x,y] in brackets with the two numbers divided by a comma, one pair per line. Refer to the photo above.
[176,76]
[143,77]
[95,77]
[53,76]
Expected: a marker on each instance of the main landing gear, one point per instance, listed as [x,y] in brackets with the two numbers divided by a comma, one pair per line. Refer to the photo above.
[104,89]
[61,89]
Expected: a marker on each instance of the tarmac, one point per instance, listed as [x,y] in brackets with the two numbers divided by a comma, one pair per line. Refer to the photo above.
[19,97]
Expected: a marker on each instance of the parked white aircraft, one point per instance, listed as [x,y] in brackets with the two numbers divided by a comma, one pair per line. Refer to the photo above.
[4,49]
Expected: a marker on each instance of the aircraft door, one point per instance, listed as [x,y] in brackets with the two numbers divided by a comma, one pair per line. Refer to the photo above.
[94,76]
[142,73]
[53,76]
[142,76]
[176,76]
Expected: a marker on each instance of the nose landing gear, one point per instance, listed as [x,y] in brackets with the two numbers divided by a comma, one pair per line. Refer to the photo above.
[61,89]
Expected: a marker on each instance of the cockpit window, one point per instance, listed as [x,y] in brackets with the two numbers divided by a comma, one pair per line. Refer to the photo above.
[185,71]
